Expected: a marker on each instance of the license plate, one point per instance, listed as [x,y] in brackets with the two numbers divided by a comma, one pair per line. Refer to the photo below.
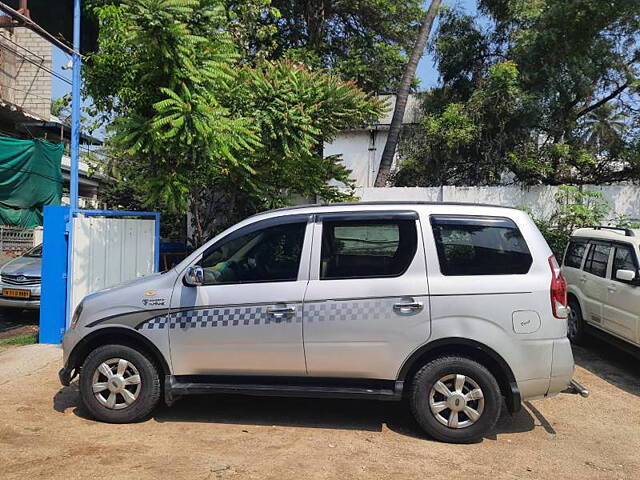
[16,293]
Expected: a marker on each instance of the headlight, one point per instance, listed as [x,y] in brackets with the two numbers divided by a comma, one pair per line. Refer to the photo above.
[76,315]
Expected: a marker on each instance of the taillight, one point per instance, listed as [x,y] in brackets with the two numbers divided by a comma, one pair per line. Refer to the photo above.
[558,290]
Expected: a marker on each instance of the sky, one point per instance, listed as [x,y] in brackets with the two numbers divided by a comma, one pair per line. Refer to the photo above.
[426,69]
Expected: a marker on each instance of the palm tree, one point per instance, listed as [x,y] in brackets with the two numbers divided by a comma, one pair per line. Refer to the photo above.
[403,95]
[604,125]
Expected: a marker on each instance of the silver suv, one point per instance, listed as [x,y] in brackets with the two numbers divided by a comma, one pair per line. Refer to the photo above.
[454,307]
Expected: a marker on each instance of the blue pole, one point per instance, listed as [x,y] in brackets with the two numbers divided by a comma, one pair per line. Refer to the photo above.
[75,152]
[75,108]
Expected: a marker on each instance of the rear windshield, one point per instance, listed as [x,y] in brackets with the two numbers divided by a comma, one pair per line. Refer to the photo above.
[469,245]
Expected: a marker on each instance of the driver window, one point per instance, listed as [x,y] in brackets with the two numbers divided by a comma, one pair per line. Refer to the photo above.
[268,255]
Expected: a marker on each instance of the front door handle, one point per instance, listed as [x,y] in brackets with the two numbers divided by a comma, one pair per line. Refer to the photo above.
[279,313]
[406,308]
[611,288]
[583,278]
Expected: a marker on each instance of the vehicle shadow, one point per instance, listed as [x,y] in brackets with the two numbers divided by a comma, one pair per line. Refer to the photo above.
[363,415]
[611,364]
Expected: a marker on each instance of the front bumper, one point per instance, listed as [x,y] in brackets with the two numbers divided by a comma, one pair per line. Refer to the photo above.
[20,303]
[65,376]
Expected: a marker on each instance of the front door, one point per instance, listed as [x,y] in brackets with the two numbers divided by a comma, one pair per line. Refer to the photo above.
[246,319]
[622,308]
[367,306]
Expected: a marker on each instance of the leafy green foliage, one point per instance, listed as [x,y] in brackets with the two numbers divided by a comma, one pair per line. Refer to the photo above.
[551,89]
[198,128]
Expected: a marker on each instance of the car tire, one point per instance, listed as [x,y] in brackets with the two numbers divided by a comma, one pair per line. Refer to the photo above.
[575,323]
[119,384]
[458,416]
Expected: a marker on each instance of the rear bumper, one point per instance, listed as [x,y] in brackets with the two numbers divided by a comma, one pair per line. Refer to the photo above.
[19,303]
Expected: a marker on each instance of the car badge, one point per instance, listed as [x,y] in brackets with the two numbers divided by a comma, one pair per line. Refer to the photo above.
[150,293]
[21,278]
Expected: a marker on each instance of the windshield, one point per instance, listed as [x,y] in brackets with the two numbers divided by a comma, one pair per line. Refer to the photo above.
[34,252]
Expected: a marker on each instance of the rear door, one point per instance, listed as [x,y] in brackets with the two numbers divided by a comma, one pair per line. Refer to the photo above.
[622,306]
[366,307]
[593,280]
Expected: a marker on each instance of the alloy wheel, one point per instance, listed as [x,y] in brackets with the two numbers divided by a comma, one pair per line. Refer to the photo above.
[116,383]
[456,401]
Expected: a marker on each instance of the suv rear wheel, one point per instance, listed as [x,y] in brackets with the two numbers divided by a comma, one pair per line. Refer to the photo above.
[118,384]
[455,399]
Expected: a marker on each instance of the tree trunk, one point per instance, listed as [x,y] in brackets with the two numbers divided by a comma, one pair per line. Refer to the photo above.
[403,95]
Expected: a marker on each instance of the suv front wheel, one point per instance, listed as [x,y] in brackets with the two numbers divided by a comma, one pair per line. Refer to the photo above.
[118,384]
[455,400]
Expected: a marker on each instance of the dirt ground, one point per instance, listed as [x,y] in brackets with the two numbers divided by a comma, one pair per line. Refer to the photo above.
[17,323]
[45,434]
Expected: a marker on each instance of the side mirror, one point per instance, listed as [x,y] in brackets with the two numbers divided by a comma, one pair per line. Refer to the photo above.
[194,276]
[625,275]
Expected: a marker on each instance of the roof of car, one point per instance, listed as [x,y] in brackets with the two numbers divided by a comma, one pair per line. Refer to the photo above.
[379,203]
[609,233]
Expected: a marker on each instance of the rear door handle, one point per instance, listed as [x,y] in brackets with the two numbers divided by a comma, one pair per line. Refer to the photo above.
[583,278]
[279,313]
[407,307]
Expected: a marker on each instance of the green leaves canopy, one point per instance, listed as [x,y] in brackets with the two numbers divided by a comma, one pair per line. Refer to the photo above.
[202,130]
[547,91]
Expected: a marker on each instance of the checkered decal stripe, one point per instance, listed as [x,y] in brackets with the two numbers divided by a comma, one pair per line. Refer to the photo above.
[217,317]
[344,310]
[329,311]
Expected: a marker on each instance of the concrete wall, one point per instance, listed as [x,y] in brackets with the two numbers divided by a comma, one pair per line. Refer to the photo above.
[623,199]
[22,81]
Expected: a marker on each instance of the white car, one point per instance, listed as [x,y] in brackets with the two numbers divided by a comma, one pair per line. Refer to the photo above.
[601,268]
[454,307]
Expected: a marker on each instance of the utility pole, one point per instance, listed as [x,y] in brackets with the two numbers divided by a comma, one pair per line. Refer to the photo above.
[75,110]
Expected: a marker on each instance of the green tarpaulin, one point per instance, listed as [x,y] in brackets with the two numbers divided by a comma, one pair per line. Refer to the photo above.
[30,178]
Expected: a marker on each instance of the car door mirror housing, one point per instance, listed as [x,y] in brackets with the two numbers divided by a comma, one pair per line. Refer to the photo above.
[625,275]
[194,276]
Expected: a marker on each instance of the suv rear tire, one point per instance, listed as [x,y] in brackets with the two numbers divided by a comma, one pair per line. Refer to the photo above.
[575,323]
[119,384]
[455,399]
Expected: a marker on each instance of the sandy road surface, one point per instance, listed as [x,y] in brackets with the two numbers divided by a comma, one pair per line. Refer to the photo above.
[43,434]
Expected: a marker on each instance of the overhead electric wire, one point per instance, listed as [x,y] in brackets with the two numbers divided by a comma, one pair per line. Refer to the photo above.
[31,25]
[24,57]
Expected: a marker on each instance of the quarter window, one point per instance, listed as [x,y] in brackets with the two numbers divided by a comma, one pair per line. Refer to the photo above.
[268,255]
[597,259]
[367,248]
[480,246]
[575,253]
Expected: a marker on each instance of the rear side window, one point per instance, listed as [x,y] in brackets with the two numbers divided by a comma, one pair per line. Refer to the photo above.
[367,248]
[480,246]
[575,253]
[597,259]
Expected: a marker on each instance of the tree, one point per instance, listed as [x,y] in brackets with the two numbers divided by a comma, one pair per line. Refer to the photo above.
[524,88]
[403,94]
[360,40]
[201,130]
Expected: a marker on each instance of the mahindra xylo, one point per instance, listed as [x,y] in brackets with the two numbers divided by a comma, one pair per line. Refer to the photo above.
[455,307]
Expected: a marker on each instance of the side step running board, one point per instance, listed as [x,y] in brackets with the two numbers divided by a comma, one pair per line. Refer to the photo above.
[175,388]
